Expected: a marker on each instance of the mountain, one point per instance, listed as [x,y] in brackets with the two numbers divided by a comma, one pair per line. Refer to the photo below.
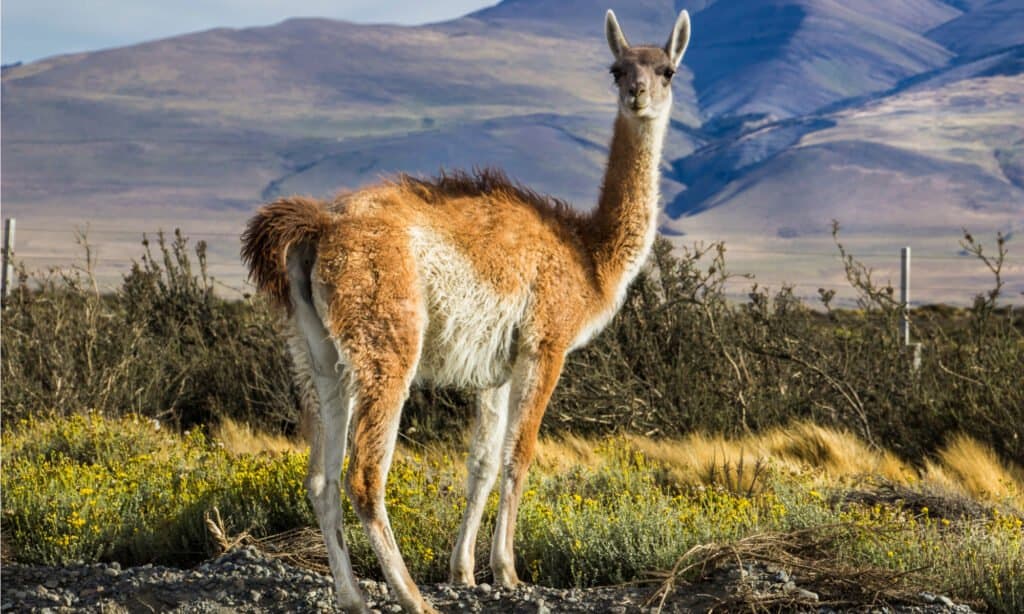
[236,112]
[645,21]
[794,56]
[224,115]
[994,25]
[780,57]
[901,118]
[898,161]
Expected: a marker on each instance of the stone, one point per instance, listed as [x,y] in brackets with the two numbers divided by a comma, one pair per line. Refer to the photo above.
[483,589]
[806,594]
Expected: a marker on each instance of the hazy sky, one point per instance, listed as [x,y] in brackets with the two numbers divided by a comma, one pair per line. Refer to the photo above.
[34,29]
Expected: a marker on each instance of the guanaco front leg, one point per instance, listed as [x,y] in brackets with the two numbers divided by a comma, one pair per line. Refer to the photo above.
[481,469]
[533,380]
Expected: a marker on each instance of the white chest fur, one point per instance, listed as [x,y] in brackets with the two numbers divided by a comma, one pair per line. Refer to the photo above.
[470,335]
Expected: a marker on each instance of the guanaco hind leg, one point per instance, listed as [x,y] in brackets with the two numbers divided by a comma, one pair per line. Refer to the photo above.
[380,394]
[315,355]
[377,317]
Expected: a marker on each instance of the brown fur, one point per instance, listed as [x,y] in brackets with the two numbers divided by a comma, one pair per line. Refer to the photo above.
[485,182]
[269,235]
[467,264]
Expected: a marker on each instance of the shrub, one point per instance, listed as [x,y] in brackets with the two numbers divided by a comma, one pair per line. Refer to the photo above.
[680,357]
[162,346]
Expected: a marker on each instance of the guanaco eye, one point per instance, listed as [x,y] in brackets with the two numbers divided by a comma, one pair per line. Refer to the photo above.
[616,73]
[668,73]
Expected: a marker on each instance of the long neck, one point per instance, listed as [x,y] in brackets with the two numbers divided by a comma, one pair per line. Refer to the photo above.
[626,218]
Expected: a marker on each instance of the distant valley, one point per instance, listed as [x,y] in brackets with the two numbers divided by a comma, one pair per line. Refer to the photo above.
[902,119]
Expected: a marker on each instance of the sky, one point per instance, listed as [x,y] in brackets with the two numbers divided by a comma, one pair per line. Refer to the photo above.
[34,29]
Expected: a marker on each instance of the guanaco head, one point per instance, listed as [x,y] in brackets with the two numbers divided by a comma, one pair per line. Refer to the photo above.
[644,73]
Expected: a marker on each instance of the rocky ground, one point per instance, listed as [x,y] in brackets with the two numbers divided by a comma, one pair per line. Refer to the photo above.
[245,580]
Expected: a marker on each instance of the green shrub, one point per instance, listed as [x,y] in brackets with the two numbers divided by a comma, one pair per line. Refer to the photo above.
[680,357]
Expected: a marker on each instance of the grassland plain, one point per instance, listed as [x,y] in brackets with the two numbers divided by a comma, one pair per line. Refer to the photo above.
[156,424]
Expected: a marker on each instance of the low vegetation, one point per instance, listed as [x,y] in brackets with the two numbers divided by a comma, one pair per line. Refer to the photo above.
[595,512]
[680,357]
[158,423]
[163,346]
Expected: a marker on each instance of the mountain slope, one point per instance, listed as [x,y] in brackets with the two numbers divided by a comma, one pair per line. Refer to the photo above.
[227,113]
[898,162]
[992,26]
[318,77]
[793,56]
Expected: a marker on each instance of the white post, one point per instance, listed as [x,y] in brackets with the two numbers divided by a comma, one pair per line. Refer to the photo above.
[905,296]
[8,263]
[914,348]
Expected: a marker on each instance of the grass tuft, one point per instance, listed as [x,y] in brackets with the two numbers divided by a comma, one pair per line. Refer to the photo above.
[966,465]
[242,438]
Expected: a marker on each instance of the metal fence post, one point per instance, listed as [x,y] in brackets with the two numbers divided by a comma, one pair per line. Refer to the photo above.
[8,270]
[913,348]
[905,296]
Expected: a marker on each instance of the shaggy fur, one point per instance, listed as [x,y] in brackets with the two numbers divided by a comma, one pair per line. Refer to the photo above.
[275,228]
[467,280]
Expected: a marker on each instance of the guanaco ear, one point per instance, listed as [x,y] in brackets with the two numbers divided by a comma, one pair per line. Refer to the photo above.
[679,39]
[616,40]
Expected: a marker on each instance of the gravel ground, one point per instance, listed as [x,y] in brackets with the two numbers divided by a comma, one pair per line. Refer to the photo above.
[245,580]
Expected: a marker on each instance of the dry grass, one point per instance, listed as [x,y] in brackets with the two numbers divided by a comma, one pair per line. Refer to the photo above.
[239,438]
[964,467]
[834,455]
[555,455]
[810,554]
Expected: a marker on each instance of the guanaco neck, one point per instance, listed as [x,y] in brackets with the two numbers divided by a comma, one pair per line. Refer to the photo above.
[626,219]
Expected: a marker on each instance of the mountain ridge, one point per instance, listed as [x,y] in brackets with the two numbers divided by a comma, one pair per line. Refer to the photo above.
[207,125]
